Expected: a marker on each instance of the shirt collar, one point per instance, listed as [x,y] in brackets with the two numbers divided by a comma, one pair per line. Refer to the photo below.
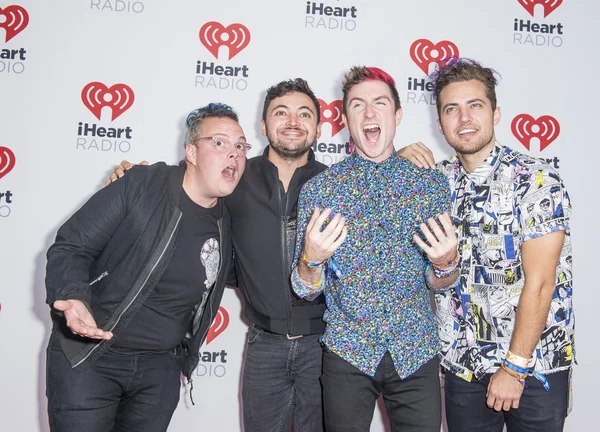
[357,161]
[484,171]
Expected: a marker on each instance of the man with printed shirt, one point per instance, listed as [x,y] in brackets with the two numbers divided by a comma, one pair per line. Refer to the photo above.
[357,242]
[134,280]
[507,327]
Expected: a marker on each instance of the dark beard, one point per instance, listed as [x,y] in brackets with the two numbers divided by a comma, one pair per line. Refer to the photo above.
[287,154]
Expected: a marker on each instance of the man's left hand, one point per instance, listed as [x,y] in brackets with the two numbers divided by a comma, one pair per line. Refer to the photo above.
[503,392]
[442,247]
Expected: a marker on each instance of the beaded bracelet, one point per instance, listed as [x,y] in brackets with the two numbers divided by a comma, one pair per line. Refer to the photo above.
[519,377]
[442,271]
[513,373]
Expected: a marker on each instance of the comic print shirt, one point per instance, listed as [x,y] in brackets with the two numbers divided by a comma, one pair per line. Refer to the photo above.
[509,199]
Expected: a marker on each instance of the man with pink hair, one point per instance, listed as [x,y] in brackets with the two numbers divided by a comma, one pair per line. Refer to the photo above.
[357,242]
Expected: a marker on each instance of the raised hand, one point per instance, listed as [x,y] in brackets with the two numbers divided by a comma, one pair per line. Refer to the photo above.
[80,320]
[442,247]
[419,154]
[320,243]
[120,171]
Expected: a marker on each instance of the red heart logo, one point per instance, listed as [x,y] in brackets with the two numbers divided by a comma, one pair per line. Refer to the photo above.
[549,5]
[96,96]
[16,20]
[546,128]
[7,161]
[214,35]
[218,325]
[332,113]
[424,52]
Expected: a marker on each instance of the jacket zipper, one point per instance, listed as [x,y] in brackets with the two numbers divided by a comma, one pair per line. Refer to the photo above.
[284,252]
[137,293]
[99,278]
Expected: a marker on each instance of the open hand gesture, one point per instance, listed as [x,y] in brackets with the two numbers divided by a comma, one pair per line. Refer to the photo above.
[442,247]
[80,320]
[319,243]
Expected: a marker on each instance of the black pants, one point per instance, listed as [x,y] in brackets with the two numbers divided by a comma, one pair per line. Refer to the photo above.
[539,410]
[349,396]
[117,393]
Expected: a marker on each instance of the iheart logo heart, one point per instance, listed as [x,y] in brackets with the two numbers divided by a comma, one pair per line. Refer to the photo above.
[546,128]
[332,113]
[7,161]
[218,325]
[424,52]
[96,96]
[16,19]
[548,5]
[214,35]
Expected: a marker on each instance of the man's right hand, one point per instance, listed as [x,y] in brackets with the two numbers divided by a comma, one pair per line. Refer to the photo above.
[120,171]
[419,154]
[320,243]
[80,320]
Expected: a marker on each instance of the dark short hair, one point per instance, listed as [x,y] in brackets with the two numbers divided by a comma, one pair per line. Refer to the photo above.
[359,74]
[464,69]
[196,118]
[297,85]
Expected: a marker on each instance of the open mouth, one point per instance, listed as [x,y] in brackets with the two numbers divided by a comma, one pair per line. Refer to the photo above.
[372,133]
[229,172]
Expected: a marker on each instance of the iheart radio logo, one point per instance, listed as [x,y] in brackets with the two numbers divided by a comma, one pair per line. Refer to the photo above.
[96,96]
[424,52]
[546,128]
[218,325]
[214,35]
[548,5]
[332,113]
[16,19]
[7,161]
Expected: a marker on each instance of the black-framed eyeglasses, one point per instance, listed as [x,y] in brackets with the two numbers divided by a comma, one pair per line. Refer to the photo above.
[223,144]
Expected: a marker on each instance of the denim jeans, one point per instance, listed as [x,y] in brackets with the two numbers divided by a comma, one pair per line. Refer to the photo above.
[349,395]
[539,410]
[116,393]
[281,385]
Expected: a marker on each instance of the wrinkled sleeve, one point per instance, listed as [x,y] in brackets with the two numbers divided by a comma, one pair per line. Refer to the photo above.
[81,240]
[545,206]
[306,203]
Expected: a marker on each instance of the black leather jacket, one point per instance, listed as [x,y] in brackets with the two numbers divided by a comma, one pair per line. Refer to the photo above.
[111,253]
[264,236]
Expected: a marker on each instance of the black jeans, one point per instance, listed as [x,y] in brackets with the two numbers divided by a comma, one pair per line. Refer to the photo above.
[281,384]
[116,393]
[539,410]
[349,396]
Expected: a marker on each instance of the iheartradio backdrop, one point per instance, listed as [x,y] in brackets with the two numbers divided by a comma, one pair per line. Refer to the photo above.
[87,83]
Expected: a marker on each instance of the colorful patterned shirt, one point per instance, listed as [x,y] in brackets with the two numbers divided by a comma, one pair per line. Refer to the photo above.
[509,199]
[380,301]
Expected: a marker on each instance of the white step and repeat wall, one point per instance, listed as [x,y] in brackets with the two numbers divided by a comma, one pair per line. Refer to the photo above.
[87,83]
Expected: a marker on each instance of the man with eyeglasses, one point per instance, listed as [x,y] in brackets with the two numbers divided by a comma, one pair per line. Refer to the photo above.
[282,363]
[134,280]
